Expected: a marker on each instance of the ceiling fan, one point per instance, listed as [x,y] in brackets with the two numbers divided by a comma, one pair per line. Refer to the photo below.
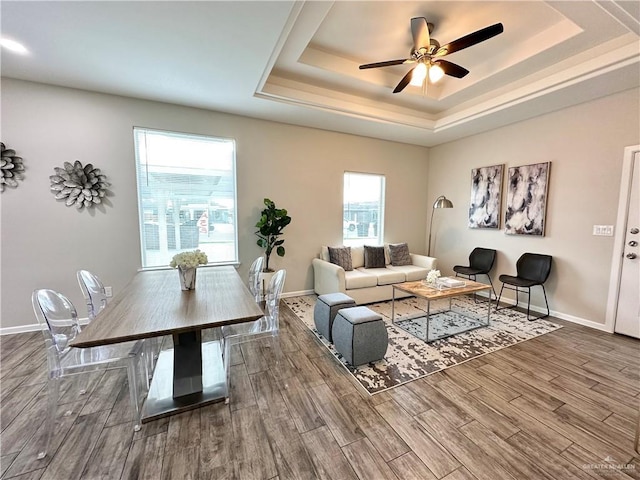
[427,54]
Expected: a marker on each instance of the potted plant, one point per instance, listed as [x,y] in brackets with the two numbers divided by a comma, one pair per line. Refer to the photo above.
[272,222]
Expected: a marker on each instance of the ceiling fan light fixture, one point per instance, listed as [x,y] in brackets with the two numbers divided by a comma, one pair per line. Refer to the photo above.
[419,74]
[435,73]
[426,53]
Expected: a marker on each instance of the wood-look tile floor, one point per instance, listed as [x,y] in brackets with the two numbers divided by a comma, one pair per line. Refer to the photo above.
[561,406]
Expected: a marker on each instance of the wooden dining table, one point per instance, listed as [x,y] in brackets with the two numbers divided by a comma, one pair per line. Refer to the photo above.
[192,373]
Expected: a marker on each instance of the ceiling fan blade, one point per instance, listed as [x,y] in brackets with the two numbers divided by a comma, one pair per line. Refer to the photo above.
[404,82]
[452,69]
[470,40]
[420,32]
[388,63]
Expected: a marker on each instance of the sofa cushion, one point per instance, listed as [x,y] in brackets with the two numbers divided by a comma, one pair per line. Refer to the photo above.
[385,276]
[412,273]
[387,259]
[341,256]
[373,257]
[399,254]
[359,278]
[357,256]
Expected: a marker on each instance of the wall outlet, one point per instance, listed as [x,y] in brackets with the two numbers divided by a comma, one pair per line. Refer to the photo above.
[108,291]
[603,230]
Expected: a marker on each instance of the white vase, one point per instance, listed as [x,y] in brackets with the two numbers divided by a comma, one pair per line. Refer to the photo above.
[265,279]
[187,277]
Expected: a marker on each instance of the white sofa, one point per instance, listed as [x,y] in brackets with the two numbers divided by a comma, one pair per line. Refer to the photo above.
[367,285]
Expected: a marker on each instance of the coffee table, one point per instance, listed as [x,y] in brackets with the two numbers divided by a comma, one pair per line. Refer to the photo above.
[445,314]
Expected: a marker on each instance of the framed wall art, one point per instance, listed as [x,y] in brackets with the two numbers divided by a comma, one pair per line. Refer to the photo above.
[484,206]
[527,199]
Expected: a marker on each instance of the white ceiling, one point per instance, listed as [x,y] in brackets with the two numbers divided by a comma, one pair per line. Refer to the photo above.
[297,62]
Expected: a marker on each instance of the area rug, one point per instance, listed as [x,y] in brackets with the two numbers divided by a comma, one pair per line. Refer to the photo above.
[408,358]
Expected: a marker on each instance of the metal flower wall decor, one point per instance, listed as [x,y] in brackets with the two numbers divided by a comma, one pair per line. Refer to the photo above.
[77,185]
[11,167]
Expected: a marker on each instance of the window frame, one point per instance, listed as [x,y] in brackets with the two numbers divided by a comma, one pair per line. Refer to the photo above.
[357,240]
[139,165]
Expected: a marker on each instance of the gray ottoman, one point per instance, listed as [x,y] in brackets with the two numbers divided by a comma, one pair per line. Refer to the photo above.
[360,335]
[326,309]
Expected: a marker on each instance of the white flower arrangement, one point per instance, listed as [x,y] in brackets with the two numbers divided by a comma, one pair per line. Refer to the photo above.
[189,259]
[432,276]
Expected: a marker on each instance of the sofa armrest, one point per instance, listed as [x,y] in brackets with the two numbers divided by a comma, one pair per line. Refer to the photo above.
[423,261]
[328,277]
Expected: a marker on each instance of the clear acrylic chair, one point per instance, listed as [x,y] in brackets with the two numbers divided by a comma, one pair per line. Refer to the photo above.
[254,278]
[59,321]
[267,326]
[95,297]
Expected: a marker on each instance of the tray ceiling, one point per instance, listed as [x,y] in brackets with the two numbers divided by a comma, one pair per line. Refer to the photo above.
[297,62]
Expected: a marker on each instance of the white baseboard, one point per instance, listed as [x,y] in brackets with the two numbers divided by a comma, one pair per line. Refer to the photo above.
[34,327]
[298,294]
[562,316]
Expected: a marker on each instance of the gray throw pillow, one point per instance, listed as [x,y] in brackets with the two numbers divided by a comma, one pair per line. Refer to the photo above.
[399,254]
[341,256]
[373,257]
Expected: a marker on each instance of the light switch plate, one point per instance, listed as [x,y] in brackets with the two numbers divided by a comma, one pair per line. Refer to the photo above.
[108,292]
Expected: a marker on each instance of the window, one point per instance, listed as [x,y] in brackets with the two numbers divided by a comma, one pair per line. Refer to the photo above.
[363,214]
[186,196]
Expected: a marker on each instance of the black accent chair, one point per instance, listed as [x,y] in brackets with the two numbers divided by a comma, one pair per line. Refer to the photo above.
[532,269]
[481,262]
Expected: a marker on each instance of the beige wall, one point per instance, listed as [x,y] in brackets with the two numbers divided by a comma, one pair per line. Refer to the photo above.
[585,146]
[45,242]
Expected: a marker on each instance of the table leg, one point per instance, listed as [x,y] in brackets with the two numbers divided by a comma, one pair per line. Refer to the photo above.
[187,363]
[393,304]
[489,310]
[188,376]
[428,319]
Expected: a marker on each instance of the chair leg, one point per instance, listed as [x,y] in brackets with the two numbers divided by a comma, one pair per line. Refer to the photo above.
[498,308]
[148,361]
[544,291]
[491,283]
[276,347]
[226,361]
[531,318]
[528,292]
[498,299]
[474,278]
[53,386]
[132,377]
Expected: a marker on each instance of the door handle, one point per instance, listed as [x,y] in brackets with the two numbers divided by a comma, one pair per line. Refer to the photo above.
[632,256]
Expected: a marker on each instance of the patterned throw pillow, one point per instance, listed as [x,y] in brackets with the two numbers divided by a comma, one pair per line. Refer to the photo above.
[341,256]
[399,253]
[373,257]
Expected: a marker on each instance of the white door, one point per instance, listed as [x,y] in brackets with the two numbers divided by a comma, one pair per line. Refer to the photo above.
[628,308]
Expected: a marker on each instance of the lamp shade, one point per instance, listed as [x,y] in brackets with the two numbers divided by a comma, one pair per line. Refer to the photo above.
[442,202]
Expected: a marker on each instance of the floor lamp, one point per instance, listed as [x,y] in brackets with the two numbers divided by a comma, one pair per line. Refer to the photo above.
[441,202]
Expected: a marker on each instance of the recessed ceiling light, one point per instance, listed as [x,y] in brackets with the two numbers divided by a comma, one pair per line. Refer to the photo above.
[13,46]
